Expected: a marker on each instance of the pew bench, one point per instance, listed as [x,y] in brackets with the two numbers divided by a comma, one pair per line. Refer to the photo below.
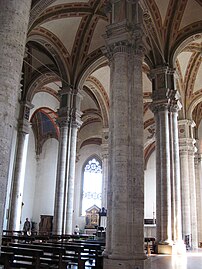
[74,253]
[52,256]
[24,257]
[6,259]
[84,252]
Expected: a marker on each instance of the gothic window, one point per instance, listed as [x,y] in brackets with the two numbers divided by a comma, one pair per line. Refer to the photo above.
[92,184]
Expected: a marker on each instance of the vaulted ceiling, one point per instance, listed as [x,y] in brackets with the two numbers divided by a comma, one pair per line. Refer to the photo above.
[64,45]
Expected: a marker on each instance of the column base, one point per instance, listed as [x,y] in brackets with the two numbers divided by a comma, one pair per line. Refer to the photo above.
[171,249]
[126,264]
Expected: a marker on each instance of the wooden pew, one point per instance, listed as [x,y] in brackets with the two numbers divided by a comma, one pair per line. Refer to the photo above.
[86,252]
[6,239]
[92,251]
[52,255]
[24,257]
[73,253]
[12,232]
[6,259]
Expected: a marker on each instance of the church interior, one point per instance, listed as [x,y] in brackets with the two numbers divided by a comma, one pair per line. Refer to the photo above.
[101,124]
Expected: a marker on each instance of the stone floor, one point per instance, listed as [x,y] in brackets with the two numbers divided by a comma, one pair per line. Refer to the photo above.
[190,260]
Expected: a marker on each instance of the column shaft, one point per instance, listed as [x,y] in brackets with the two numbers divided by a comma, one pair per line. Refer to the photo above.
[185,193]
[188,193]
[127,185]
[18,182]
[14,17]
[71,180]
[60,180]
[75,123]
[104,180]
[125,242]
[165,177]
[193,211]
[176,193]
[105,160]
[108,250]
[198,176]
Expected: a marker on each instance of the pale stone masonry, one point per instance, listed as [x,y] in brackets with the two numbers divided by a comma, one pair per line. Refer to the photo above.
[14,18]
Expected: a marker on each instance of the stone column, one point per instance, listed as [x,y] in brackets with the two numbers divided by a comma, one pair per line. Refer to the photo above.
[14,17]
[63,121]
[175,172]
[75,124]
[188,191]
[20,164]
[198,177]
[105,159]
[192,186]
[126,187]
[160,107]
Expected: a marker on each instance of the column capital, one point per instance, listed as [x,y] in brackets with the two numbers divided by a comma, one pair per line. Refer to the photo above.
[164,69]
[162,81]
[125,34]
[159,107]
[23,122]
[76,121]
[62,122]
[65,90]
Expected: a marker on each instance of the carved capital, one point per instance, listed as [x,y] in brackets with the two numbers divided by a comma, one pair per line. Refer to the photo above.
[63,122]
[76,121]
[159,107]
[24,126]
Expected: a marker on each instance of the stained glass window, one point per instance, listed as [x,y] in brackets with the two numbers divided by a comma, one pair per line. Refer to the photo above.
[92,185]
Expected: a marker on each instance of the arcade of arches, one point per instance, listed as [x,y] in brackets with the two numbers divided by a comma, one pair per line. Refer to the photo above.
[118,82]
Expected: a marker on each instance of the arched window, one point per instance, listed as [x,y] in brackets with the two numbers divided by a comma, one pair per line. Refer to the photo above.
[92,184]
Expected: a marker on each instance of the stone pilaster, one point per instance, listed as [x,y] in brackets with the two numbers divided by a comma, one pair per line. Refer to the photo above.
[126,175]
[74,125]
[63,121]
[14,17]
[188,194]
[20,164]
[198,177]
[105,159]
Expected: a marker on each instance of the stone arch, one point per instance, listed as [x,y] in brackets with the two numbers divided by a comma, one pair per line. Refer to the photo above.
[60,55]
[194,103]
[37,84]
[182,42]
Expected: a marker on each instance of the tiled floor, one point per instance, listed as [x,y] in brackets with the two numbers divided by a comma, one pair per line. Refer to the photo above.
[190,260]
